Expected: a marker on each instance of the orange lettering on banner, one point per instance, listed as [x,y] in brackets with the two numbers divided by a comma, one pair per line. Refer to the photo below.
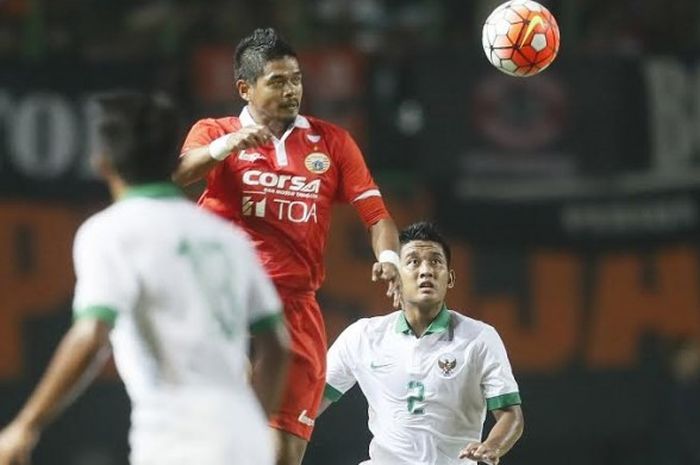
[39,280]
[679,275]
[627,307]
[550,339]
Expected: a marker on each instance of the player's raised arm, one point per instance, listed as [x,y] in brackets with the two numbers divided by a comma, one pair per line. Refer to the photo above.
[359,189]
[201,154]
[78,358]
[502,437]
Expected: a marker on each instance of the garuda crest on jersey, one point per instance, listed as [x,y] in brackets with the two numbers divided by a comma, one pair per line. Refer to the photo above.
[447,364]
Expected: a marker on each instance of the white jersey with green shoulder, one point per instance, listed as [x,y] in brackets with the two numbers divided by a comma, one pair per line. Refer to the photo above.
[182,289]
[427,396]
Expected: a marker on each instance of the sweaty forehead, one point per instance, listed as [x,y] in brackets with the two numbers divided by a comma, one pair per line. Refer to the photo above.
[422,248]
[281,66]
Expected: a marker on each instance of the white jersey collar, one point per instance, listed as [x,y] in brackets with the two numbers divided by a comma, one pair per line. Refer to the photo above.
[247,120]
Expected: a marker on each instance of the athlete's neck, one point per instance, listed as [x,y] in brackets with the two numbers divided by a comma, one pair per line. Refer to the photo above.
[276,126]
[419,318]
[117,187]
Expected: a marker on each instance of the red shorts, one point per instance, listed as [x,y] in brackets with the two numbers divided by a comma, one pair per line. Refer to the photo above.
[306,379]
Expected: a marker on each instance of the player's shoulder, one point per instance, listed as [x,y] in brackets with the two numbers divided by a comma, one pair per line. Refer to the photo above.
[326,128]
[375,326]
[101,225]
[470,328]
[369,327]
[225,123]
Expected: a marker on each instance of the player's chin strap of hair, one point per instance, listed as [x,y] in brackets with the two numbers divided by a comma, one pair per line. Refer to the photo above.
[389,256]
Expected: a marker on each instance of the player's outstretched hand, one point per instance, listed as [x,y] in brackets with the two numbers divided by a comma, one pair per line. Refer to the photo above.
[248,137]
[16,444]
[388,272]
[481,453]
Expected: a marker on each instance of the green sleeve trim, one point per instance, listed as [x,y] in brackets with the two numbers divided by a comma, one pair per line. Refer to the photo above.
[502,401]
[265,323]
[98,312]
[332,393]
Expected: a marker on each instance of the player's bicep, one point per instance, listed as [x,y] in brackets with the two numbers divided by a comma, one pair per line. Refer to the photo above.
[356,181]
[105,285]
[357,187]
[497,382]
[341,363]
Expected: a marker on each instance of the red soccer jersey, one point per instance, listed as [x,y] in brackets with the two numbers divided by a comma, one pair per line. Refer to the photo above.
[282,193]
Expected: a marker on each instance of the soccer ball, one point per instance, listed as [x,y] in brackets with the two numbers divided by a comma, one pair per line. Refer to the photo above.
[520,38]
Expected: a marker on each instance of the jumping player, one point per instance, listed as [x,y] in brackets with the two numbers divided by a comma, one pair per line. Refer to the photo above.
[277,174]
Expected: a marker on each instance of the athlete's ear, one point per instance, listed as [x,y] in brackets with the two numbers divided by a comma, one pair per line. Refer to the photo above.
[451,279]
[244,89]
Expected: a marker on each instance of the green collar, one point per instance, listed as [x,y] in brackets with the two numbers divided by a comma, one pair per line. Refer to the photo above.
[439,324]
[153,190]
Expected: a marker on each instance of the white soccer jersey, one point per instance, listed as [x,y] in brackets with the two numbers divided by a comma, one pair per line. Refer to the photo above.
[427,396]
[182,289]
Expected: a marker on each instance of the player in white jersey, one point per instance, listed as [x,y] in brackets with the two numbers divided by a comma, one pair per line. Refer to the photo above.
[177,292]
[429,374]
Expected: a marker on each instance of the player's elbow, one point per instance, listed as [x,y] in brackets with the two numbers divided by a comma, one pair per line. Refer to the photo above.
[182,176]
[191,167]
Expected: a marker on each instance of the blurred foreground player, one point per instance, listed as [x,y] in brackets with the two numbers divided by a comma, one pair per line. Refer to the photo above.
[277,174]
[176,290]
[429,374]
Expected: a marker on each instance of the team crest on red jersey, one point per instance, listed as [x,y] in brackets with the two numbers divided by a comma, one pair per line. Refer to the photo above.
[317,162]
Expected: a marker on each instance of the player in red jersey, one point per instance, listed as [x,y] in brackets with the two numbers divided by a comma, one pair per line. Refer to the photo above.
[277,174]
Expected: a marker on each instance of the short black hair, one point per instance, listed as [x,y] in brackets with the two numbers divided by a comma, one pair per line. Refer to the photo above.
[139,133]
[425,231]
[253,53]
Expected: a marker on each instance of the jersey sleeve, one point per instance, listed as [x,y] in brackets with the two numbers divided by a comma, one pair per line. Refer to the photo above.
[340,363]
[105,285]
[497,383]
[202,133]
[263,305]
[356,184]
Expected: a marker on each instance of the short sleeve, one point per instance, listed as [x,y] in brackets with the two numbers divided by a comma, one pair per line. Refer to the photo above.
[105,286]
[340,363]
[202,133]
[497,382]
[263,305]
[356,184]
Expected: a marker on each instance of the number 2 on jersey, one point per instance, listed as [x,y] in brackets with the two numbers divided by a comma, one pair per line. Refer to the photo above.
[416,392]
[212,271]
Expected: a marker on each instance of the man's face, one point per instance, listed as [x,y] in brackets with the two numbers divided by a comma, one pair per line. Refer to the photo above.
[276,95]
[425,274]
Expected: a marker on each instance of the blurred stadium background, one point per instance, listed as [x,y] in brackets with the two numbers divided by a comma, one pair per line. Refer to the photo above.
[572,198]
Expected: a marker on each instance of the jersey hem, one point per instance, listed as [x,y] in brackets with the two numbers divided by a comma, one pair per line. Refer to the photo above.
[265,323]
[502,401]
[98,312]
